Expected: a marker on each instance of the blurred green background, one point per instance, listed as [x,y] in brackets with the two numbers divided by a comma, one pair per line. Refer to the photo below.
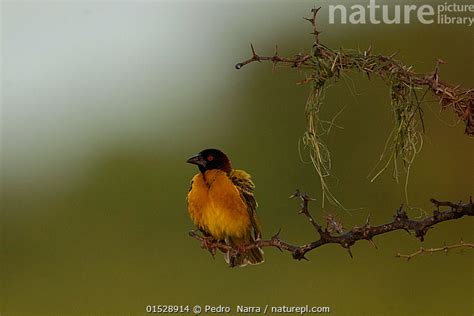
[102,103]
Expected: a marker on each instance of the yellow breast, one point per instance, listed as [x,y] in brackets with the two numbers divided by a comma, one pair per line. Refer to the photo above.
[215,205]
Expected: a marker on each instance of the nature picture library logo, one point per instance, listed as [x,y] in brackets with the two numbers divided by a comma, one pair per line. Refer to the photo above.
[374,13]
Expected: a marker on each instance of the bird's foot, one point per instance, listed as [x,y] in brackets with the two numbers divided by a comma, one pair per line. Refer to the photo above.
[241,248]
[209,243]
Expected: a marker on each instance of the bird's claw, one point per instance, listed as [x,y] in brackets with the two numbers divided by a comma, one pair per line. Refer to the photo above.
[208,242]
[241,248]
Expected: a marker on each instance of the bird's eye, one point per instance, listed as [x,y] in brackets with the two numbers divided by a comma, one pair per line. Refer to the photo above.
[210,158]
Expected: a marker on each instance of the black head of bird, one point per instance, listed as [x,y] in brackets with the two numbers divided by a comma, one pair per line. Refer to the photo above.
[209,159]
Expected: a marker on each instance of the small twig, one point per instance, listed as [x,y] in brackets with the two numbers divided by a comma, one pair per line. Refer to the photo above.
[305,199]
[422,250]
[298,61]
[444,203]
[312,20]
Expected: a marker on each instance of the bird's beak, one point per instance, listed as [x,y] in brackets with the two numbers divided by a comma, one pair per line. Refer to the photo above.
[197,160]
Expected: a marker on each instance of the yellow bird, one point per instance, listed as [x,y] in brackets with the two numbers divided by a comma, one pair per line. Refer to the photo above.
[222,205]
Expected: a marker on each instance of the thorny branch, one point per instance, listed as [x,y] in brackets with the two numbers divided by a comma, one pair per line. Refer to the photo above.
[459,100]
[348,238]
[444,249]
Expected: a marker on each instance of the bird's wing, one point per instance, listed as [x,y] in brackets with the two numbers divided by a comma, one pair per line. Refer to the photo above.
[244,184]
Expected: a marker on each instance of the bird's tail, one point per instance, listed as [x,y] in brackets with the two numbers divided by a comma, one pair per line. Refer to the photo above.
[252,256]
